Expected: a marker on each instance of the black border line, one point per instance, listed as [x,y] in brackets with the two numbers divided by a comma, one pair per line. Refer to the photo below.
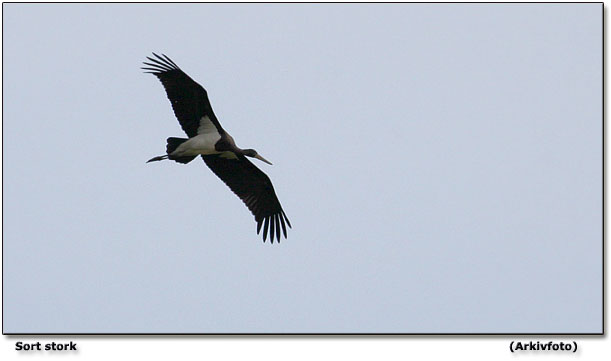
[602,333]
[603,26]
[310,2]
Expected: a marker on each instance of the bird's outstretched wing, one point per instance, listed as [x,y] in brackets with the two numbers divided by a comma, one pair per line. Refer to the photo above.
[254,189]
[189,99]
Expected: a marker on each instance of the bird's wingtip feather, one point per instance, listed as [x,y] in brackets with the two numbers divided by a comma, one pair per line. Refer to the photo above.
[265,227]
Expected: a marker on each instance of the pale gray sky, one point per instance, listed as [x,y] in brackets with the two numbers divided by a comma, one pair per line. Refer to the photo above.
[441,165]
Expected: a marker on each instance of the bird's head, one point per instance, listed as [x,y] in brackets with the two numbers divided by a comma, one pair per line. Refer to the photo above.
[253,153]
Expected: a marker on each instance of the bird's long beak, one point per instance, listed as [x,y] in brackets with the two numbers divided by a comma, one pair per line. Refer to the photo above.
[263,159]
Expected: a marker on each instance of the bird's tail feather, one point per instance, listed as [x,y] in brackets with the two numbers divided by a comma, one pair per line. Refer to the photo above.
[173,143]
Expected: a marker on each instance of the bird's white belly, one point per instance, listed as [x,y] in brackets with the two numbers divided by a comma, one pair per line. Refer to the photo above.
[200,144]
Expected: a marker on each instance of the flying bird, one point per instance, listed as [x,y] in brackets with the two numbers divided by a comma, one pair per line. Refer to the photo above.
[218,149]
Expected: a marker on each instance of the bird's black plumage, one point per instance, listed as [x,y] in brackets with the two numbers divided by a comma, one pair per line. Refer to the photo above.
[189,99]
[254,189]
[192,108]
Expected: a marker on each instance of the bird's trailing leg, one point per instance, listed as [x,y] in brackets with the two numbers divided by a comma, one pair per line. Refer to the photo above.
[161,157]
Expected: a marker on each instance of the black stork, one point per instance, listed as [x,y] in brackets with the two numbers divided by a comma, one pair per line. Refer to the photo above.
[218,149]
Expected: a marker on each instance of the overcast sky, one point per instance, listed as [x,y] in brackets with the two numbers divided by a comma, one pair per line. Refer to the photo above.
[441,165]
